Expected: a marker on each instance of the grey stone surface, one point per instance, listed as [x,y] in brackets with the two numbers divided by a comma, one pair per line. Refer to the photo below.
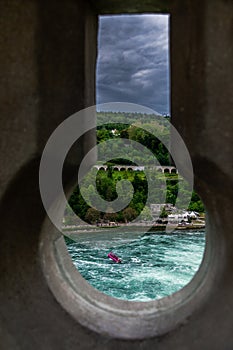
[47,73]
[131,6]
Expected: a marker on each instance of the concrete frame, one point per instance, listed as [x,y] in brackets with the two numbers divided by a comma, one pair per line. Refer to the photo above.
[42,85]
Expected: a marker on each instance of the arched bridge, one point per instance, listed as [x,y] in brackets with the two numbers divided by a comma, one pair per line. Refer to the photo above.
[159,168]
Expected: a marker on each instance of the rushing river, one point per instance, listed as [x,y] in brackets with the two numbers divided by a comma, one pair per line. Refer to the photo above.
[153,266]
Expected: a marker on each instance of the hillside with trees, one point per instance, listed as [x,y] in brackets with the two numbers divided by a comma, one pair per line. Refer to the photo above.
[165,186]
[136,127]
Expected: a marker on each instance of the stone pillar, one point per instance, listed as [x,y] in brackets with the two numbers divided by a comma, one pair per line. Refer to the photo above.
[202,105]
[47,65]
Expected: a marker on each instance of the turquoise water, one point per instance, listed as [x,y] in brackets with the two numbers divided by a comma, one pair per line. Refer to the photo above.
[153,266]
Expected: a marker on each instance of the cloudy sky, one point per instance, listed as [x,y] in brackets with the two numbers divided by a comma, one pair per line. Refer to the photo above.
[133,61]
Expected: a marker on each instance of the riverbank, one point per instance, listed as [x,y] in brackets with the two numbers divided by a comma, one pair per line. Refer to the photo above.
[133,227]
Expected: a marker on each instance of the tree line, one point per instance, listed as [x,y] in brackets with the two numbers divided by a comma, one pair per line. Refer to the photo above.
[163,191]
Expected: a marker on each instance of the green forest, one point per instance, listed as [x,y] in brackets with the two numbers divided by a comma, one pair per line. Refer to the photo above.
[135,127]
[103,184]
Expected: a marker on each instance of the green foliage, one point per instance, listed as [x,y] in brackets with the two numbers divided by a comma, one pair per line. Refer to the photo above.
[133,129]
[129,214]
[146,214]
[92,215]
[106,184]
[163,214]
[196,206]
[130,126]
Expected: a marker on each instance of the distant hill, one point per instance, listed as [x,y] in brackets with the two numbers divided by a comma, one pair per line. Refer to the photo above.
[130,117]
[146,129]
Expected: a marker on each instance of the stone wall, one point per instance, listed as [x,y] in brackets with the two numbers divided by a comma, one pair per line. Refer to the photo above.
[47,73]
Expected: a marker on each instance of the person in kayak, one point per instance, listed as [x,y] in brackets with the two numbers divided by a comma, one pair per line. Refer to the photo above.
[115,258]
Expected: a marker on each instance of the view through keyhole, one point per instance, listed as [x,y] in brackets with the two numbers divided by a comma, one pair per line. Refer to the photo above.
[133,66]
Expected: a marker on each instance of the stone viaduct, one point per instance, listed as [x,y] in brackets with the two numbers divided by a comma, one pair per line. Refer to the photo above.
[162,169]
[48,64]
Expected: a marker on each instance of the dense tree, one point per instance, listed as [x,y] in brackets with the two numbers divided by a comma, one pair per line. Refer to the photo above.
[129,214]
[134,198]
[92,215]
[146,214]
[110,217]
[163,214]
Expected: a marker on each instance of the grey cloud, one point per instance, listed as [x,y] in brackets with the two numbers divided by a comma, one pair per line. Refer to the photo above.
[133,61]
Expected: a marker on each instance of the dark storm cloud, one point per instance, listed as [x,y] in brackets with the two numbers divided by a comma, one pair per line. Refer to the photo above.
[133,61]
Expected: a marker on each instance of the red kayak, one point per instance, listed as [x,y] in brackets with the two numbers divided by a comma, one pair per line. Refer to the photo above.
[114,257]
